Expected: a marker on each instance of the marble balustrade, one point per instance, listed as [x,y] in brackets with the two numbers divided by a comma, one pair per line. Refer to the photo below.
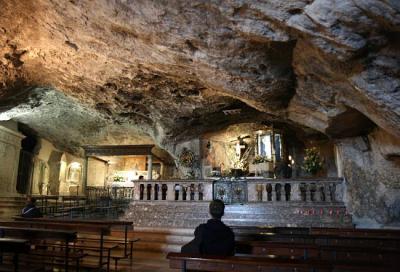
[259,190]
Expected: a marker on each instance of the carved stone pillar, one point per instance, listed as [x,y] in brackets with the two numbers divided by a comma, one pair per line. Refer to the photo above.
[149,167]
[10,145]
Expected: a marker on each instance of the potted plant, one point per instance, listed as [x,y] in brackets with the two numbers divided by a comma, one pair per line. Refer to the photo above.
[262,164]
[313,163]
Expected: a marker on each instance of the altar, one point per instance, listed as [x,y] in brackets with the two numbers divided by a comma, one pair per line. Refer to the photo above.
[231,190]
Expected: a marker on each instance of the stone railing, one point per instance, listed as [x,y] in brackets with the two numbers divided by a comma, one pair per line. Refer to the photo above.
[258,190]
[304,190]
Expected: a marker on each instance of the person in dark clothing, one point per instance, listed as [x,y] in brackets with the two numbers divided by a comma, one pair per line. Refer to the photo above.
[214,237]
[30,210]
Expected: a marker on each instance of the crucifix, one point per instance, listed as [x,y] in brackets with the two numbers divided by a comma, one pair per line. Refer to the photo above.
[239,148]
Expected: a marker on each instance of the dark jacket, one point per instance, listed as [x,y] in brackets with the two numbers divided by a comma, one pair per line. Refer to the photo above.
[212,238]
[31,211]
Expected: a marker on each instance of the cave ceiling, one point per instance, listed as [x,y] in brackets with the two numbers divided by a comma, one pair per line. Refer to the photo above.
[80,72]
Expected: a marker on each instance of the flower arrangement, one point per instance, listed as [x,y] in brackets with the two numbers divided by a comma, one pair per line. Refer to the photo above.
[260,159]
[118,179]
[186,158]
[312,161]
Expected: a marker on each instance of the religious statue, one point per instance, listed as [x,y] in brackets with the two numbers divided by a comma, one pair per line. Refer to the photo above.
[177,190]
[288,189]
[192,189]
[141,190]
[268,188]
[259,189]
[164,189]
[149,191]
[184,191]
[156,190]
[278,188]
[200,190]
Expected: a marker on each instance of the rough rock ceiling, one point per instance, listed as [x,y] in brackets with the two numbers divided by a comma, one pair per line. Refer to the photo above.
[83,71]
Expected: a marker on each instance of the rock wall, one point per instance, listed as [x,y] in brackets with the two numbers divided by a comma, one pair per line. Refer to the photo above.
[371,166]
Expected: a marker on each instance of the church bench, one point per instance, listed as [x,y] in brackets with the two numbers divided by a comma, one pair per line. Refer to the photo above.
[15,247]
[38,235]
[306,251]
[100,230]
[348,232]
[87,240]
[54,257]
[351,232]
[188,262]
[321,239]
[126,226]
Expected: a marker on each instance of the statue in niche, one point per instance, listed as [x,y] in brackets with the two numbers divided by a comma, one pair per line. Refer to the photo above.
[156,190]
[288,189]
[200,189]
[149,191]
[141,191]
[259,190]
[43,184]
[278,188]
[177,190]
[164,189]
[192,189]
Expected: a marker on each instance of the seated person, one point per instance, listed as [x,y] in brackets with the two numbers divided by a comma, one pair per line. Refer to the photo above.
[30,210]
[214,237]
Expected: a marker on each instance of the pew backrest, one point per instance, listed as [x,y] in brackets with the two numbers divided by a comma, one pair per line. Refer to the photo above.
[188,262]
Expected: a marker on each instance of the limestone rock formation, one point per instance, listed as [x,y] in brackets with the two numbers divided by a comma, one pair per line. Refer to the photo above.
[123,71]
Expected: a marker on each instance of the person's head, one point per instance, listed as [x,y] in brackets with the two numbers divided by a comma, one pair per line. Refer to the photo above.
[217,208]
[30,200]
[141,177]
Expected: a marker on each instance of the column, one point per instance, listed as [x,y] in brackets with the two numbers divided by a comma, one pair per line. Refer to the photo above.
[150,167]
[10,145]
[85,175]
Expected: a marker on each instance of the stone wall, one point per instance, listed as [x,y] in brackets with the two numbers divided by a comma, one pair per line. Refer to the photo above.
[10,145]
[97,172]
[371,167]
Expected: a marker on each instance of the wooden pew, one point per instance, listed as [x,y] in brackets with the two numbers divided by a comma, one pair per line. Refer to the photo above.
[321,239]
[126,226]
[15,247]
[187,262]
[388,257]
[40,234]
[100,230]
[351,232]
[113,224]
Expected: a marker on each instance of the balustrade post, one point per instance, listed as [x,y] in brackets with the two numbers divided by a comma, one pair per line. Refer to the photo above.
[296,195]
[171,191]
